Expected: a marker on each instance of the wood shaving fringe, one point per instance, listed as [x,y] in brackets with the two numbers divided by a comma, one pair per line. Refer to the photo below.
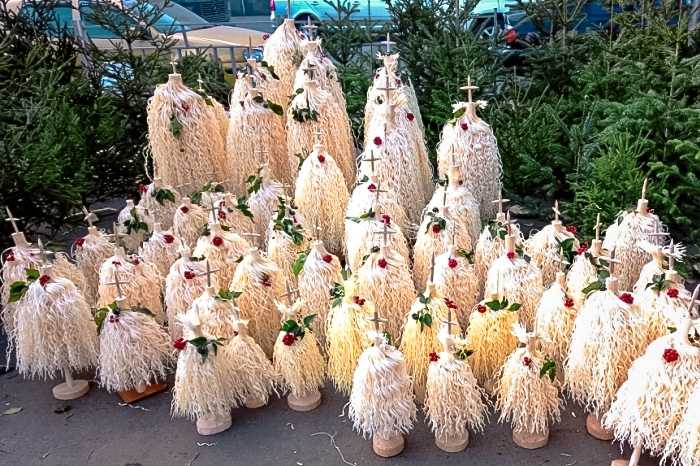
[257,303]
[315,281]
[133,350]
[520,282]
[458,283]
[282,250]
[649,405]
[490,333]
[215,315]
[362,199]
[347,338]
[255,376]
[162,213]
[255,127]
[200,146]
[526,400]
[416,345]
[654,267]
[361,237]
[188,225]
[488,250]
[133,240]
[461,203]
[231,216]
[390,289]
[683,447]
[53,329]
[180,292]
[381,400]
[660,311]
[322,197]
[89,257]
[454,401]
[222,258]
[271,88]
[160,253]
[581,274]
[300,365]
[284,51]
[476,153]
[545,250]
[556,321]
[608,336]
[625,238]
[263,205]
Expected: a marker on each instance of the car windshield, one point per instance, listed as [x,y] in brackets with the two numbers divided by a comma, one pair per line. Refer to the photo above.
[174,18]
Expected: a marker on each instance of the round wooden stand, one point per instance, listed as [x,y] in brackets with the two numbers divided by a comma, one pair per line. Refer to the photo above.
[211,424]
[620,463]
[420,393]
[530,441]
[304,403]
[490,387]
[388,446]
[252,403]
[453,443]
[71,390]
[596,430]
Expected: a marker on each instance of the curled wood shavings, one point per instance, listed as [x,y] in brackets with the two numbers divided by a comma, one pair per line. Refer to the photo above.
[11,411]
[192,460]
[290,425]
[47,454]
[203,444]
[335,446]
[133,407]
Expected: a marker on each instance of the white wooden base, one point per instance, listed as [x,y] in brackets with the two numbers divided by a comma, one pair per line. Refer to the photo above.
[620,463]
[304,403]
[596,430]
[388,446]
[420,393]
[490,387]
[530,441]
[453,443]
[252,403]
[77,389]
[211,424]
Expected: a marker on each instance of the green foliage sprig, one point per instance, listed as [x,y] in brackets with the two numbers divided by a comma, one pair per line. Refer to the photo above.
[19,288]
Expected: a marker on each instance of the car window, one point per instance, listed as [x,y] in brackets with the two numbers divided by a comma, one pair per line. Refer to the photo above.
[95,31]
[61,18]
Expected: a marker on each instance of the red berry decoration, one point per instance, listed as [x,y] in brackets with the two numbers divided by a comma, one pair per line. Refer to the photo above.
[382,263]
[266,36]
[221,215]
[386,219]
[527,361]
[136,261]
[189,275]
[627,298]
[372,187]
[186,108]
[327,258]
[44,279]
[672,293]
[217,241]
[670,355]
[242,103]
[294,219]
[180,344]
[321,158]
[397,81]
[184,209]
[377,141]
[452,263]
[266,280]
[376,76]
[116,263]
[434,357]
[450,304]
[10,257]
[80,241]
[289,339]
[481,308]
[143,188]
[410,116]
[465,126]
[145,211]
[436,228]
[569,302]
[510,255]
[572,229]
[583,248]
[359,301]
[168,238]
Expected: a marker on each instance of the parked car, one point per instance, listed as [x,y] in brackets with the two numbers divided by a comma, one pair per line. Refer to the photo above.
[321,10]
[191,32]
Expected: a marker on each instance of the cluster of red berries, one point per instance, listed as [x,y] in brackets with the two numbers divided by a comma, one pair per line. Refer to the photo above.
[527,361]
[672,293]
[377,141]
[397,81]
[145,211]
[670,355]
[186,108]
[116,263]
[327,258]
[572,229]
[627,298]
[410,116]
[10,257]
[452,263]
[217,241]
[80,241]
[266,36]
[510,255]
[386,219]
[221,214]
[568,302]
[180,344]
[113,319]
[294,219]
[434,357]
[481,308]
[465,126]
[136,261]
[372,187]
[321,158]
[382,263]
[168,238]
[376,76]
[450,304]
[289,339]
[266,280]
[189,275]
[44,279]
[436,228]
[184,209]
[143,188]
[359,301]
[583,248]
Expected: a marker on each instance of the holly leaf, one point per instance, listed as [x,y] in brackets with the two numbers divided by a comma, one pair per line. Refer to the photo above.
[100,317]
[464,354]
[594,286]
[163,195]
[458,113]
[242,206]
[466,254]
[32,274]
[290,326]
[494,305]
[143,310]
[308,320]
[276,109]
[514,307]
[298,264]
[175,127]
[549,368]
[388,337]
[269,68]
[17,291]
[226,295]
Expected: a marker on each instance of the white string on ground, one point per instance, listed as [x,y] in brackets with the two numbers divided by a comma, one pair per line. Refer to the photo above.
[335,446]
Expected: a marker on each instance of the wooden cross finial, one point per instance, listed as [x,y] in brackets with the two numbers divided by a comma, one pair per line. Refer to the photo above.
[289,9]
[317,230]
[200,81]
[508,222]
[309,70]
[694,300]
[213,210]
[118,284]
[612,262]
[671,254]
[115,234]
[289,295]
[449,322]
[42,251]
[432,268]
[444,196]
[11,219]
[377,191]
[385,233]
[174,65]
[376,320]
[251,234]
[556,211]
[644,189]
[371,160]
[500,201]
[388,43]
[89,216]
[597,227]
[469,88]
[209,272]
[310,27]
[388,89]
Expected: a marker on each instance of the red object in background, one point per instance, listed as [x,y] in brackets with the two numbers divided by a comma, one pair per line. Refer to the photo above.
[272,5]
[511,36]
